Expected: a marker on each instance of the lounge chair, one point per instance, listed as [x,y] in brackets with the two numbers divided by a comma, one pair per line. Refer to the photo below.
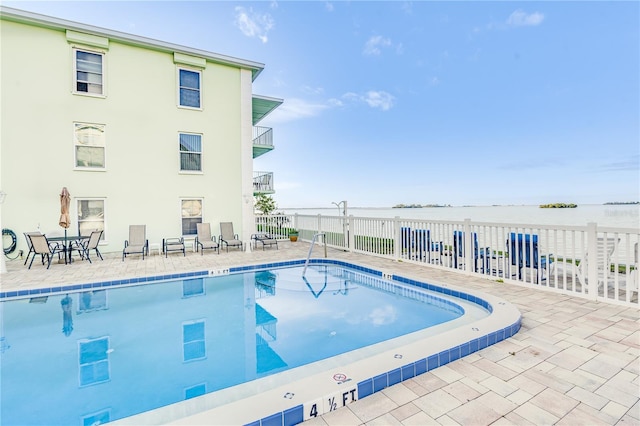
[137,242]
[264,239]
[85,246]
[228,237]
[604,249]
[478,253]
[419,246]
[426,249]
[173,244]
[523,252]
[204,239]
[41,246]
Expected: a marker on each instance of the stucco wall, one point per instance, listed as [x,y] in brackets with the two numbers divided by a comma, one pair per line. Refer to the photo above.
[142,183]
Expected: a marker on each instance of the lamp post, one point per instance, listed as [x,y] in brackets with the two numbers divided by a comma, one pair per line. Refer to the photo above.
[3,263]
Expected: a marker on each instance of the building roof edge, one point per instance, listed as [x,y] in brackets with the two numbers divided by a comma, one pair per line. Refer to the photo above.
[23,16]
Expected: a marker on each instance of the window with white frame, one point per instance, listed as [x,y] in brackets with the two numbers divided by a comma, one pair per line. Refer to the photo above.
[89,142]
[193,287]
[93,358]
[95,300]
[191,212]
[98,418]
[88,72]
[190,152]
[193,342]
[91,216]
[189,86]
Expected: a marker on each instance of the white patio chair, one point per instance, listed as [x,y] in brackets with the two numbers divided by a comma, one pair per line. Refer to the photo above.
[604,250]
[634,276]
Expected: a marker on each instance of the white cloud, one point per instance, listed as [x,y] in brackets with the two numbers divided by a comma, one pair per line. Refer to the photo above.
[294,109]
[253,24]
[381,99]
[375,99]
[374,44]
[328,6]
[312,90]
[519,18]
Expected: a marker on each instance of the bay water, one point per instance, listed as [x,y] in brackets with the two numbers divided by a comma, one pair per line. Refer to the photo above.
[605,215]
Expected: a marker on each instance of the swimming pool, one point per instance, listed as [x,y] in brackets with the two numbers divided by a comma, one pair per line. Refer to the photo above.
[184,343]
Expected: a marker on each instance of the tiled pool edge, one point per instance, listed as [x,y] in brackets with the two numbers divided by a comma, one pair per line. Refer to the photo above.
[366,387]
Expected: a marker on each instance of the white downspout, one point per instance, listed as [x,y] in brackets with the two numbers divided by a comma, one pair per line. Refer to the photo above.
[246,156]
[3,262]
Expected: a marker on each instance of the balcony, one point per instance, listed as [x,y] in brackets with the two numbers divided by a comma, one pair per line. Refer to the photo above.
[263,183]
[262,140]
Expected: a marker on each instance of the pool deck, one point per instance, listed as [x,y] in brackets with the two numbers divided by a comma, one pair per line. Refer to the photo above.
[573,362]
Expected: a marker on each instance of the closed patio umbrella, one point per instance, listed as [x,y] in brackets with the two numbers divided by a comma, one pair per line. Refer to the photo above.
[65,220]
[67,315]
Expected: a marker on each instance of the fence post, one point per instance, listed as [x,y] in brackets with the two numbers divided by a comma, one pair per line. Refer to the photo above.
[397,250]
[592,253]
[468,247]
[350,235]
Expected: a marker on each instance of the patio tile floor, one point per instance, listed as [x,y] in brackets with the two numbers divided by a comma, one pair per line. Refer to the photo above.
[574,361]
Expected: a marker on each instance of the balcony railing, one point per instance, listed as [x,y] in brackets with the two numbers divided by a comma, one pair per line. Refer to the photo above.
[263,183]
[262,140]
[587,261]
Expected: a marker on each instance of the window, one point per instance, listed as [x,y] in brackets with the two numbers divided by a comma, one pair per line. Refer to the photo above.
[92,301]
[89,142]
[189,88]
[193,340]
[193,287]
[94,361]
[97,418]
[190,152]
[194,391]
[91,216]
[191,216]
[88,72]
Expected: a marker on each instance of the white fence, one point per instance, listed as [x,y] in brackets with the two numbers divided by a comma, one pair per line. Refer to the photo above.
[588,261]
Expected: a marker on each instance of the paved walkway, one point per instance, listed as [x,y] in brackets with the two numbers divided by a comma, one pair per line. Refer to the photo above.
[574,361]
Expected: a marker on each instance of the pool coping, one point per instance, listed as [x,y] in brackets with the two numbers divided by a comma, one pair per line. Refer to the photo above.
[295,402]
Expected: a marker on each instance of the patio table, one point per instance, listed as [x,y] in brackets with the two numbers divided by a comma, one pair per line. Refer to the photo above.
[67,243]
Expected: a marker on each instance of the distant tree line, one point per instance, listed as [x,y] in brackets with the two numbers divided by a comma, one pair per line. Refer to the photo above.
[418,206]
[558,206]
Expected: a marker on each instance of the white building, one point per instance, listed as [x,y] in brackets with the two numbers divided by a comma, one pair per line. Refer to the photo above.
[140,132]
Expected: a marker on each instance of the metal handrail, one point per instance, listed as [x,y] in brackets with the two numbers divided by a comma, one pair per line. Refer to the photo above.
[313,242]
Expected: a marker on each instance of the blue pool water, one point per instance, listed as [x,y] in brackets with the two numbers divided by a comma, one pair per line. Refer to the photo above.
[89,356]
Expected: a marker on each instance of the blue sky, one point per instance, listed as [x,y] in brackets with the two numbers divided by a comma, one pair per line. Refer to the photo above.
[462,103]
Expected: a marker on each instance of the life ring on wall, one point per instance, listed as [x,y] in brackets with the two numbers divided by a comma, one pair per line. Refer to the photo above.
[14,241]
